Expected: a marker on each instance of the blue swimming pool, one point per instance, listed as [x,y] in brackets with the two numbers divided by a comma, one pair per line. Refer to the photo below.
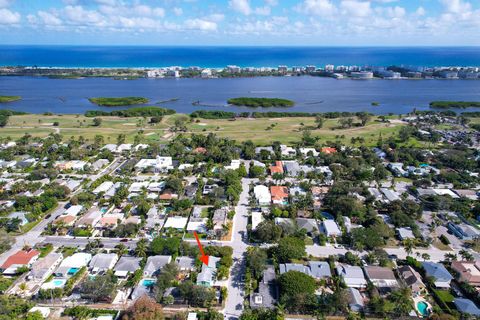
[72,271]
[148,282]
[423,308]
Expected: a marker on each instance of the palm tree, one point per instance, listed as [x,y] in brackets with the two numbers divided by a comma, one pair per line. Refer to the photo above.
[450,257]
[141,249]
[466,255]
[121,249]
[425,256]
[409,245]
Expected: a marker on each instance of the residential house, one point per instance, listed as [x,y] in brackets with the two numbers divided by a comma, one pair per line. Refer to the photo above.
[103,187]
[89,220]
[468,272]
[463,231]
[99,164]
[309,151]
[310,225]
[157,165]
[405,233]
[20,215]
[356,302]
[469,194]
[467,306]
[330,228]
[262,194]
[318,193]
[277,168]
[287,151]
[234,165]
[439,273]
[328,150]
[176,222]
[198,225]
[73,210]
[102,262]
[257,218]
[320,269]
[279,195]
[412,279]
[126,265]
[352,276]
[390,195]
[185,264]
[397,169]
[70,265]
[219,218]
[155,264]
[22,258]
[381,277]
[43,268]
[208,274]
[266,293]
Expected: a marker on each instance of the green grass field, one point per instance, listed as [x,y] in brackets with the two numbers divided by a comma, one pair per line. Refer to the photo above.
[261,131]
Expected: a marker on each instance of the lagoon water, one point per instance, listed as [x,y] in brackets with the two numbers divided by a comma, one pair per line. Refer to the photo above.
[311,94]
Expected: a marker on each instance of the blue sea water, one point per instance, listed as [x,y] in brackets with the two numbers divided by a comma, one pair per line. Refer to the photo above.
[215,57]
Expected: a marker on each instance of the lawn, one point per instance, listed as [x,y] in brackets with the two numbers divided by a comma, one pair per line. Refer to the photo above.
[445,295]
[262,131]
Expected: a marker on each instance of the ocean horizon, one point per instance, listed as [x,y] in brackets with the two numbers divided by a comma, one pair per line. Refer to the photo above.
[114,56]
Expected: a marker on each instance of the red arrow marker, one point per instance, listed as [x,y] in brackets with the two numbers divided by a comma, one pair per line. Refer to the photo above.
[203,257]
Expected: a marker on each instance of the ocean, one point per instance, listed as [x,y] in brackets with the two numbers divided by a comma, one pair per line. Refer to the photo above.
[217,57]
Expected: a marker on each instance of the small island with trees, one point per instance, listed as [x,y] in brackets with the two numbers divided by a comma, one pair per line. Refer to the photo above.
[118,102]
[5,99]
[260,102]
[454,104]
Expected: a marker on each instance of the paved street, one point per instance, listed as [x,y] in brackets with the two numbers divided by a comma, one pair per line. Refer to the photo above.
[234,304]
[108,243]
[326,251]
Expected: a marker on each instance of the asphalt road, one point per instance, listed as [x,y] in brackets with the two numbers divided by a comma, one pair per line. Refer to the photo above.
[235,284]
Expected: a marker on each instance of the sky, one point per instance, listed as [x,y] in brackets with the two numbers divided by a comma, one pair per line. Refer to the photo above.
[241,22]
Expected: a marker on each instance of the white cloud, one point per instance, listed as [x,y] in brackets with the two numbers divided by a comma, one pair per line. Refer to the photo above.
[242,6]
[355,8]
[215,17]
[200,24]
[456,6]
[317,7]
[178,11]
[9,17]
[263,11]
[420,11]
[5,3]
[49,19]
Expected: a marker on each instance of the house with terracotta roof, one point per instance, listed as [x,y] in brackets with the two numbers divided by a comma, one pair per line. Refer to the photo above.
[468,272]
[329,150]
[110,220]
[279,194]
[66,220]
[22,258]
[277,168]
[200,150]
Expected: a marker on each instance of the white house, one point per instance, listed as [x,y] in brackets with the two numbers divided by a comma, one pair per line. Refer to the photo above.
[330,228]
[262,194]
[159,164]
[352,275]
